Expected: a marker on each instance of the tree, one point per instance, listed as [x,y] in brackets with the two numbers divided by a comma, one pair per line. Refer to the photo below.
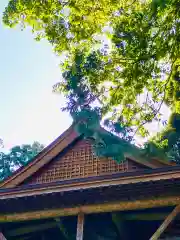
[168,140]
[18,156]
[123,57]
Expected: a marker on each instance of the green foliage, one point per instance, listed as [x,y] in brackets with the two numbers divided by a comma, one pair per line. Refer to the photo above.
[75,85]
[143,54]
[167,143]
[18,156]
[122,61]
[105,143]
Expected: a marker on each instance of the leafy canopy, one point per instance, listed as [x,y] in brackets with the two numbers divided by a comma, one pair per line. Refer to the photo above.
[17,156]
[169,139]
[122,58]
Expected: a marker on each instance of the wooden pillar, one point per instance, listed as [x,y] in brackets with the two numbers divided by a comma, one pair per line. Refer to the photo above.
[166,223]
[80,226]
[2,237]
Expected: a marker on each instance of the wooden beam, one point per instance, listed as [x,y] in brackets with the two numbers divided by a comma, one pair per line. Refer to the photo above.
[2,237]
[166,223]
[89,209]
[80,226]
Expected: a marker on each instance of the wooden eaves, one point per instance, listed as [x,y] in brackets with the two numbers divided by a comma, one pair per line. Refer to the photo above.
[150,177]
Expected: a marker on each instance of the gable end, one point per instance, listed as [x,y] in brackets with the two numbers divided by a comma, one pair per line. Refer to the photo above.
[78,161]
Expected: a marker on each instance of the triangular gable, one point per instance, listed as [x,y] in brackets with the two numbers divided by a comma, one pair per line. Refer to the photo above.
[78,161]
[55,149]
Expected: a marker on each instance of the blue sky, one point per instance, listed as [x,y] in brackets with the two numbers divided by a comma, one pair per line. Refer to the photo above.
[28,69]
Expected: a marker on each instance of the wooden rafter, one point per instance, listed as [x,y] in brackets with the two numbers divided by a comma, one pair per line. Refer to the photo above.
[166,223]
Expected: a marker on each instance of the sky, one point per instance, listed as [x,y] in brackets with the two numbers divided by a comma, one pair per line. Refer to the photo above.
[29,110]
[28,69]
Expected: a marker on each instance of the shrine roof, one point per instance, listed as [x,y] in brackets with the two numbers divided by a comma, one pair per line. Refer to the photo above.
[57,147]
